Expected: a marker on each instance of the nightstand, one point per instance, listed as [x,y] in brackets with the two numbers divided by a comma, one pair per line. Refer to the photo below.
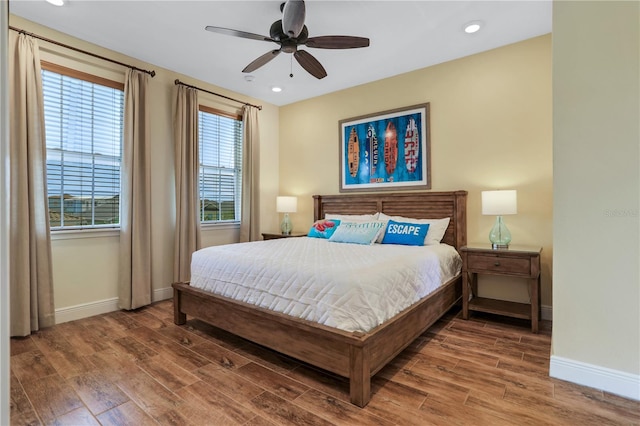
[516,261]
[268,236]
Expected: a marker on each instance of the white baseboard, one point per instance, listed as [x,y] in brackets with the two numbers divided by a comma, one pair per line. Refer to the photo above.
[612,381]
[546,312]
[85,310]
[162,294]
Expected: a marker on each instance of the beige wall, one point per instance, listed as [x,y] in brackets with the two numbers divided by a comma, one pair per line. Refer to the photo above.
[85,269]
[596,75]
[490,129]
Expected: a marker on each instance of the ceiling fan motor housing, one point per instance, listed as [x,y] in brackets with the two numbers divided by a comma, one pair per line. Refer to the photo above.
[276,32]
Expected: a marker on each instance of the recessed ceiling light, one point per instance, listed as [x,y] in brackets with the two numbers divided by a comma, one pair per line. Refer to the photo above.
[276,89]
[56,2]
[472,27]
[248,78]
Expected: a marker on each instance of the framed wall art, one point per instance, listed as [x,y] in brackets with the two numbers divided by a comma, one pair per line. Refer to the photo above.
[388,150]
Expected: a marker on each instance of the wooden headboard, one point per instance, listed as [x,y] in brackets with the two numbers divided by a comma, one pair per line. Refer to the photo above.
[418,205]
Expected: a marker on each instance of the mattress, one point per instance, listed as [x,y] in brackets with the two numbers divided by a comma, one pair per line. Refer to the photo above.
[351,287]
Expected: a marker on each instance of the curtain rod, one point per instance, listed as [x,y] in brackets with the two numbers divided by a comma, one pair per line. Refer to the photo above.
[57,43]
[217,94]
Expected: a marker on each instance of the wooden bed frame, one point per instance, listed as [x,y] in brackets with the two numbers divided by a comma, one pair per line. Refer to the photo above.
[354,355]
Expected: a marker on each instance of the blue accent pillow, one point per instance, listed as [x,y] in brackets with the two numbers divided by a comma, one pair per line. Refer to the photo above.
[323,229]
[357,232]
[405,233]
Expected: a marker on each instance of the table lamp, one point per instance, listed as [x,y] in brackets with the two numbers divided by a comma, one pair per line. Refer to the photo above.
[499,203]
[286,205]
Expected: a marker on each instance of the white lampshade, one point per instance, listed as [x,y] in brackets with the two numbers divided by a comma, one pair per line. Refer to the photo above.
[499,203]
[287,204]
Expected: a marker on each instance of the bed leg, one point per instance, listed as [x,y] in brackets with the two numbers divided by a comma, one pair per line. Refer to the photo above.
[179,318]
[359,376]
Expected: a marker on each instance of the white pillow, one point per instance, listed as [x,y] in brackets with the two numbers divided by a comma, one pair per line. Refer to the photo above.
[352,217]
[437,227]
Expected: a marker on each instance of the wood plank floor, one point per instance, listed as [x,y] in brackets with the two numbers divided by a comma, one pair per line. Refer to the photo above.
[138,368]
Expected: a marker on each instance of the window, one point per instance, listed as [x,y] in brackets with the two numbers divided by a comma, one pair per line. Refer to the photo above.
[83,118]
[220,174]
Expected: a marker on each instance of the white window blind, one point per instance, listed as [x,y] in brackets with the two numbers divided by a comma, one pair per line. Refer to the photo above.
[220,174]
[84,131]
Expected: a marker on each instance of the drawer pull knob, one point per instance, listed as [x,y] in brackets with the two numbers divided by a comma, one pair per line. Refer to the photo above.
[497,264]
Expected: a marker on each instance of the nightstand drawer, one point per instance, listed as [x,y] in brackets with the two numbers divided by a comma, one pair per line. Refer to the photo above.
[499,264]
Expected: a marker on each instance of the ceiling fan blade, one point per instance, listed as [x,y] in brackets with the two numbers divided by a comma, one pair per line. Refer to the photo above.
[261,60]
[309,63]
[293,16]
[337,42]
[237,33]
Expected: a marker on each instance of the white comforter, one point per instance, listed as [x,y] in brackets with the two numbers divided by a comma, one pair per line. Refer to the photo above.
[348,286]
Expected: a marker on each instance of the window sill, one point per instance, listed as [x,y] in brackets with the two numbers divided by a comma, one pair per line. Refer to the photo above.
[218,226]
[71,234]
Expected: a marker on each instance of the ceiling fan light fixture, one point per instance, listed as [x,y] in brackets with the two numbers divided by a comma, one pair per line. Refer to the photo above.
[56,2]
[293,15]
[472,27]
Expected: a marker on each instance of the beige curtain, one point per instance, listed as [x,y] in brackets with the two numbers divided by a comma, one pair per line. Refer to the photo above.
[135,196]
[249,225]
[31,280]
[185,128]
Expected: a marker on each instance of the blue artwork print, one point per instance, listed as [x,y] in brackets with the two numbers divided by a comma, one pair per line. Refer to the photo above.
[385,151]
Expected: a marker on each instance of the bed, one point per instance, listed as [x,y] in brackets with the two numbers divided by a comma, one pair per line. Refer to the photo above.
[355,355]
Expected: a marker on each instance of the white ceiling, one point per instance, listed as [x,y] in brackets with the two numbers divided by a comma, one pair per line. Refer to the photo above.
[405,36]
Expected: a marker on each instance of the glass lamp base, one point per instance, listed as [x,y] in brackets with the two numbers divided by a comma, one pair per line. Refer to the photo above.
[286,226]
[499,236]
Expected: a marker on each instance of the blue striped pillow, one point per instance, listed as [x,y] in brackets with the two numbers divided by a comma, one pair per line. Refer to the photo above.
[358,232]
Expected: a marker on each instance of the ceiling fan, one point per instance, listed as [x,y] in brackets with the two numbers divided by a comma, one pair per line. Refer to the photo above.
[291,32]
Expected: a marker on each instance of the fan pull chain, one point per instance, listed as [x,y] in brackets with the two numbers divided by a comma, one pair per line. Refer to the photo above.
[291,66]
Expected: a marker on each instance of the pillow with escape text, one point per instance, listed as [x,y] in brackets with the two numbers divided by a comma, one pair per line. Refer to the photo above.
[405,233]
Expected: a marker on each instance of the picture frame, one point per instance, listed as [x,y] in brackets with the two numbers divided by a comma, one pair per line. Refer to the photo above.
[386,151]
